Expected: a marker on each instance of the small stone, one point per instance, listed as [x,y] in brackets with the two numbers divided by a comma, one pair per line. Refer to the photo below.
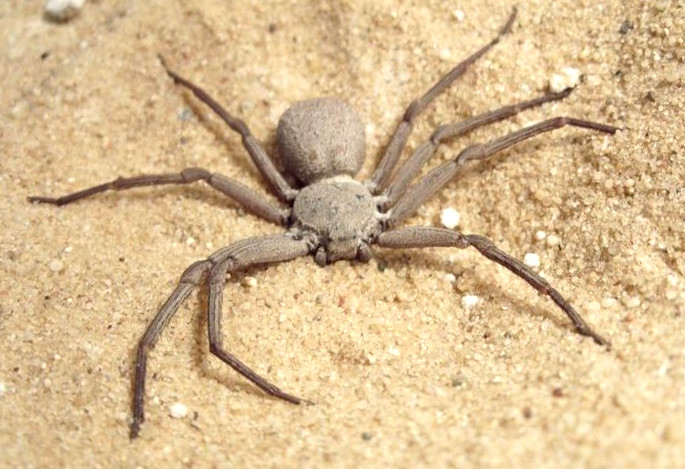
[626,26]
[568,78]
[458,15]
[632,301]
[469,301]
[608,302]
[531,259]
[62,11]
[56,265]
[185,114]
[540,235]
[449,218]
[458,381]
[553,240]
[178,411]
[450,277]
[250,281]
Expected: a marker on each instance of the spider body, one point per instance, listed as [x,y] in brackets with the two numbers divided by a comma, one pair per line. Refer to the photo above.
[331,215]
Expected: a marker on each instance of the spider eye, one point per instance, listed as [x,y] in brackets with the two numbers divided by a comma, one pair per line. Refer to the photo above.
[364,253]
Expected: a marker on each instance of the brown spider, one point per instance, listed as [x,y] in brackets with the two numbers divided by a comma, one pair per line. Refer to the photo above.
[332,216]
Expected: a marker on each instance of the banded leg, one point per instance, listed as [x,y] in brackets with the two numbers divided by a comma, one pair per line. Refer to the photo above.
[252,201]
[264,250]
[264,164]
[410,168]
[399,139]
[435,179]
[191,278]
[422,237]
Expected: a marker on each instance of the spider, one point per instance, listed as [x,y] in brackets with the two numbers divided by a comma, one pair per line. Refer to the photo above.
[330,215]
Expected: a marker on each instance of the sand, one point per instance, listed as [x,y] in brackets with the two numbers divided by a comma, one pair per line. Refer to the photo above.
[402,371]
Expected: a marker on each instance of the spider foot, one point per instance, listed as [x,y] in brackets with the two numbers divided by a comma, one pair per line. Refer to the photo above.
[599,340]
[135,430]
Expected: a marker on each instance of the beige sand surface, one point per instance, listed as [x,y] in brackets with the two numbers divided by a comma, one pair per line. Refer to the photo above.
[401,373]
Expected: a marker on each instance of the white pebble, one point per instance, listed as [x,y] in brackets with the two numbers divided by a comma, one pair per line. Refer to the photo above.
[632,301]
[250,281]
[540,235]
[469,301]
[553,240]
[449,218]
[458,15]
[56,265]
[450,277]
[568,78]
[663,369]
[531,259]
[178,411]
[62,10]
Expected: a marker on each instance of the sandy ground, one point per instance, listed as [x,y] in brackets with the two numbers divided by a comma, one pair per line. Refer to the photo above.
[401,373]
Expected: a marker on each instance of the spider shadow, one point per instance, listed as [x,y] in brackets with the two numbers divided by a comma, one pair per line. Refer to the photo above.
[431,262]
[510,155]
[201,354]
[197,191]
[482,283]
[219,130]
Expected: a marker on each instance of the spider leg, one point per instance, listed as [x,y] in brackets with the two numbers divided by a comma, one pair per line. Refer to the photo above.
[421,237]
[191,278]
[252,201]
[259,156]
[438,177]
[410,168]
[399,139]
[241,255]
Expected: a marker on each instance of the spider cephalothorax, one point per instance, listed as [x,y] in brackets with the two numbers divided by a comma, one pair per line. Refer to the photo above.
[332,216]
[340,215]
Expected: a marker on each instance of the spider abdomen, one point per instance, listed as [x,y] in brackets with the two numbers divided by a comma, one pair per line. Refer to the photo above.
[321,138]
[341,213]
